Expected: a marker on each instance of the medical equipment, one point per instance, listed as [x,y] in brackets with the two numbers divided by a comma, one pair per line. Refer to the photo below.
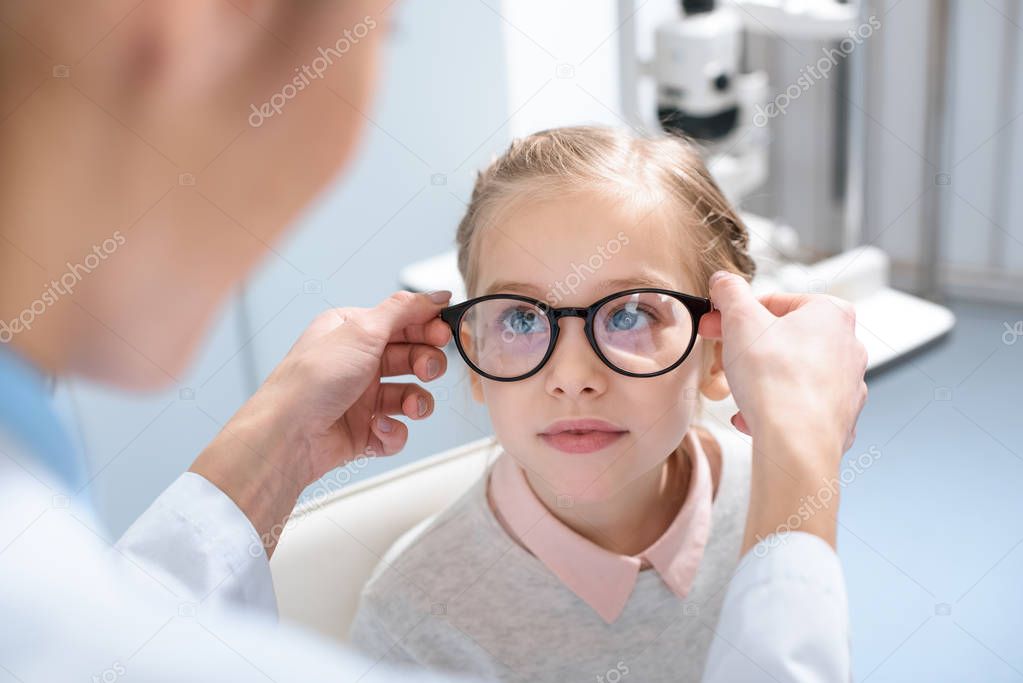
[701,92]
[700,102]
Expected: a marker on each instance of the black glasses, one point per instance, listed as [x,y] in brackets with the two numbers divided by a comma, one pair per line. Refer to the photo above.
[638,332]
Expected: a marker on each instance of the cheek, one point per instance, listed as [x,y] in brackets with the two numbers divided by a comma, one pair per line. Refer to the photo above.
[659,404]
[659,412]
[508,408]
[512,415]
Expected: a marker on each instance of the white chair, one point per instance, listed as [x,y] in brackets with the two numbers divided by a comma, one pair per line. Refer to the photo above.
[330,547]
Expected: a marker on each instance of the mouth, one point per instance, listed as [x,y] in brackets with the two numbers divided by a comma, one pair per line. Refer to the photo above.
[581,436]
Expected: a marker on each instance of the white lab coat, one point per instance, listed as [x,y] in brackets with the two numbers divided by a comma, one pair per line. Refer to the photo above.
[180,598]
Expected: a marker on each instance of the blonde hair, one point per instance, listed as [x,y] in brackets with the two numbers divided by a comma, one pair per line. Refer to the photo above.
[665,170]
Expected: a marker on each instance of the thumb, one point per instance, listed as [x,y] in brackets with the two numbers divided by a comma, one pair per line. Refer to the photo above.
[402,309]
[734,298]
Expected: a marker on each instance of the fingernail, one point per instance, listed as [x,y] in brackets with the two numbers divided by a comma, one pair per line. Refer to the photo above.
[423,406]
[432,368]
[439,296]
[718,274]
[383,425]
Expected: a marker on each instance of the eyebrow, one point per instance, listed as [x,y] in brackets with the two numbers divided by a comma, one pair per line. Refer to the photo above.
[614,284]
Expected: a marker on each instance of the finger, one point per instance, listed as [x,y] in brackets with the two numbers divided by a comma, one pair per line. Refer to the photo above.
[410,400]
[733,297]
[325,323]
[739,422]
[777,303]
[435,332]
[425,362]
[388,436]
[404,309]
[710,325]
[783,303]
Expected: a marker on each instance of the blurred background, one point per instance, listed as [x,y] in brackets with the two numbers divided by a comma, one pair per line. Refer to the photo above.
[893,180]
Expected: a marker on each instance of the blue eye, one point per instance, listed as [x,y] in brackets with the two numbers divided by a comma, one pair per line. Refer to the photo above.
[627,319]
[522,321]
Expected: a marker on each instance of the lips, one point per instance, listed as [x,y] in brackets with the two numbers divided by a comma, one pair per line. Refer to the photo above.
[583,425]
[581,436]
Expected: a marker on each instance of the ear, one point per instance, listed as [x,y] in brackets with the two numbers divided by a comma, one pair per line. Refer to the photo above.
[714,384]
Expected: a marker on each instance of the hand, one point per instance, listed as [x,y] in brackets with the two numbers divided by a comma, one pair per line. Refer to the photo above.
[791,356]
[326,403]
[329,387]
[795,368]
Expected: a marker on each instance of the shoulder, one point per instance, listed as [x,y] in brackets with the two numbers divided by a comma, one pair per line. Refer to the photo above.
[729,455]
[712,449]
[729,451]
[436,556]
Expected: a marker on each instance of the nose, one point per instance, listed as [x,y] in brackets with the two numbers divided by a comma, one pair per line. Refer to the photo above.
[574,370]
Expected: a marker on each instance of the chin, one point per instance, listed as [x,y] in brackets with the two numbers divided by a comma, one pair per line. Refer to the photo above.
[131,371]
[148,363]
[141,344]
[593,495]
[587,485]
[603,490]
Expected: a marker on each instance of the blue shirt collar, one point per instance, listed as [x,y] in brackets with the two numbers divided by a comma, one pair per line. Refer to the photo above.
[27,415]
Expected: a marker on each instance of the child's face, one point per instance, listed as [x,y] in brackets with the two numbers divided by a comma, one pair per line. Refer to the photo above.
[580,248]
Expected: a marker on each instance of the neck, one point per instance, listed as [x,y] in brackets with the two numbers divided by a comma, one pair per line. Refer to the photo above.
[48,217]
[36,332]
[632,519]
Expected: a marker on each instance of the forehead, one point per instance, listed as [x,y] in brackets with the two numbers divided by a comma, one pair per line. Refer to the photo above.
[581,246]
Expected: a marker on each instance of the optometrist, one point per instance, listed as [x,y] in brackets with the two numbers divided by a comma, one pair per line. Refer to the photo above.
[152,153]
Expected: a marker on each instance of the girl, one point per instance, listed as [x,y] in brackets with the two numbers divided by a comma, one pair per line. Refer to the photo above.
[600,540]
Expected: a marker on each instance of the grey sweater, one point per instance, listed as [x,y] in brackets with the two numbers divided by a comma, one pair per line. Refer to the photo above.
[457,593]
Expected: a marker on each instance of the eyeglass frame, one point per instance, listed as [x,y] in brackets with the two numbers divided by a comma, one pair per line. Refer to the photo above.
[697,306]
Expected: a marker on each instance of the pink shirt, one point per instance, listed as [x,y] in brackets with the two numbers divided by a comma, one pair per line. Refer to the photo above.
[601,578]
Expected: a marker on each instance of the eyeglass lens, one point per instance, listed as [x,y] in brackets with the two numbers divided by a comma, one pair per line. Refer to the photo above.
[641,333]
